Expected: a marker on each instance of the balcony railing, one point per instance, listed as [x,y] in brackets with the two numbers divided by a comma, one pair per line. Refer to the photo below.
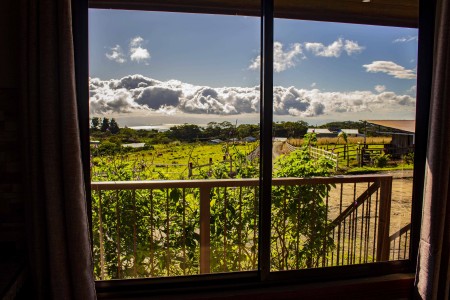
[184,227]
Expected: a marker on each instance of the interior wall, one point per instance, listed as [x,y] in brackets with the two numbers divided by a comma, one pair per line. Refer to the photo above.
[11,200]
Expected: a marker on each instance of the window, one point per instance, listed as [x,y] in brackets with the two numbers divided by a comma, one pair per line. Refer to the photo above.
[271,250]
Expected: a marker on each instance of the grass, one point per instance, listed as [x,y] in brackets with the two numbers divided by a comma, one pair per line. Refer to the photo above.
[372,170]
[170,160]
[380,140]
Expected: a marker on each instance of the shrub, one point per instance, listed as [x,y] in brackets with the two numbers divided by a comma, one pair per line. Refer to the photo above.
[108,148]
[299,212]
[381,160]
[408,158]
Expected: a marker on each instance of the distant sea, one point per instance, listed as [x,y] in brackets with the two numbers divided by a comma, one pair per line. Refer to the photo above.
[159,127]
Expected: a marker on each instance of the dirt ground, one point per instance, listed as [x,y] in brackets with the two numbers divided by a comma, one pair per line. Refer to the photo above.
[400,204]
[401,199]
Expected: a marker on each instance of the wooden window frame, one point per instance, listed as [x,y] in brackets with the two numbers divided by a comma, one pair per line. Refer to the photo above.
[263,277]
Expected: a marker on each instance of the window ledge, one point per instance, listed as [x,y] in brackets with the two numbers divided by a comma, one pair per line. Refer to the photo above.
[394,286]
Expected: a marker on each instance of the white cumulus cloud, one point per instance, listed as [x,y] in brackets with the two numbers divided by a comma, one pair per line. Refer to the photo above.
[116,54]
[380,88]
[138,93]
[334,49]
[390,68]
[282,59]
[137,52]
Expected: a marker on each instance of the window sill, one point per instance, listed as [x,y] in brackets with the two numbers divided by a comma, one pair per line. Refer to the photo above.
[394,286]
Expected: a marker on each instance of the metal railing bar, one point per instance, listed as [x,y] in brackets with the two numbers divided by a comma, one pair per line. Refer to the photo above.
[356,203]
[400,232]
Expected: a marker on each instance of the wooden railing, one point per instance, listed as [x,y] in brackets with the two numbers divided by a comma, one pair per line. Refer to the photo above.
[399,243]
[183,227]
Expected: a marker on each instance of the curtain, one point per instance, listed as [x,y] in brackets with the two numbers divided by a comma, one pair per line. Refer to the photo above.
[59,245]
[433,267]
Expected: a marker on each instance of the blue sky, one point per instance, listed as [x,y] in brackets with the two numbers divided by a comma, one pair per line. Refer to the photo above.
[201,67]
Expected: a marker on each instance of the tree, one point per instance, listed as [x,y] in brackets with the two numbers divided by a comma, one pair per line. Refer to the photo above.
[105,125]
[245,130]
[113,126]
[212,130]
[185,132]
[95,123]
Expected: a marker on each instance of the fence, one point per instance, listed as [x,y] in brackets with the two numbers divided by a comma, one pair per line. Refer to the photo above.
[169,228]
[364,155]
[318,152]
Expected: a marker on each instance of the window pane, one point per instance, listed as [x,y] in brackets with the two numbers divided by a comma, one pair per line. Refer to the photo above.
[174,104]
[344,108]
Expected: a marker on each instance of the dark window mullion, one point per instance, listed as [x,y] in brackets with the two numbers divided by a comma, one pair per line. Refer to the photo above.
[266,117]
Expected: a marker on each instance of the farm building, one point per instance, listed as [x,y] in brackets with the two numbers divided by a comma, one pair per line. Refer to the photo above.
[134,145]
[402,132]
[351,132]
[322,132]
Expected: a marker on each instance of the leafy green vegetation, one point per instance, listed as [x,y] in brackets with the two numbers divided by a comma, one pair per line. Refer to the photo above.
[156,232]
[299,212]
[147,233]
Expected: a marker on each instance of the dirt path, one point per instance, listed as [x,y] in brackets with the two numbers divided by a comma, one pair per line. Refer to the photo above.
[277,150]
[401,202]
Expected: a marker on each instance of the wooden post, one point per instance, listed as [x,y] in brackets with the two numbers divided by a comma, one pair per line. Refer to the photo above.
[190,170]
[384,216]
[348,157]
[363,152]
[205,215]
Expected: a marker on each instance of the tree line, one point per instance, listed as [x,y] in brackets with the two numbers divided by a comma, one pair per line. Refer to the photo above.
[109,129]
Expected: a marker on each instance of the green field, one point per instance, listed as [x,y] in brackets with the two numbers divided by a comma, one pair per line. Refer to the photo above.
[169,161]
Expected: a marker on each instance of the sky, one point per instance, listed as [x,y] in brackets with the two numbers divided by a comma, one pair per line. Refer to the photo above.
[150,68]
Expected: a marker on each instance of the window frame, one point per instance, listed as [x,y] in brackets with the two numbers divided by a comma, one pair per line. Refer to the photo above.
[263,276]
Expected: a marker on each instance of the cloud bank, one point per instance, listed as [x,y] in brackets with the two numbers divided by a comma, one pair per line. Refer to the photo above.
[138,93]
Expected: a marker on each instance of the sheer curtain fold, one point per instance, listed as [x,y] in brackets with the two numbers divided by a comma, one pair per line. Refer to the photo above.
[58,229]
[433,267]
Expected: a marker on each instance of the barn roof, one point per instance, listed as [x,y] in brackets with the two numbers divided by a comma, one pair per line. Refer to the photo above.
[405,125]
[319,131]
[350,131]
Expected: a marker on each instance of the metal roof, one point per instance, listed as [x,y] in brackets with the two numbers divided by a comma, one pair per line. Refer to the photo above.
[350,131]
[405,125]
[320,131]
[134,145]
